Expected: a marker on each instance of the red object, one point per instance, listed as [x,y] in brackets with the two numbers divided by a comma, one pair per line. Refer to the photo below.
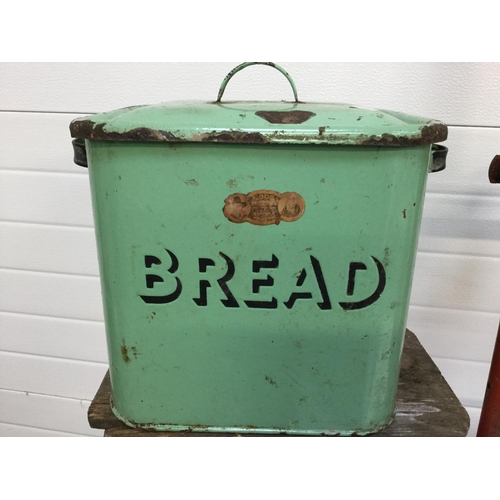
[489,422]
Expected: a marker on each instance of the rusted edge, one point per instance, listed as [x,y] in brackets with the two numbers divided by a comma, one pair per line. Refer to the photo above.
[429,134]
[87,129]
[235,136]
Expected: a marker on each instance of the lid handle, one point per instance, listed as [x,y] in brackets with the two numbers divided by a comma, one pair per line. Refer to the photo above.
[245,65]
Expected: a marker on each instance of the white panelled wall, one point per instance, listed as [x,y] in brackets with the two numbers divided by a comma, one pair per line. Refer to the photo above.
[52,342]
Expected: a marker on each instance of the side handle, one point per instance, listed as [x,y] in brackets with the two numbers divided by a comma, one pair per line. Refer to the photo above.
[438,161]
[80,153]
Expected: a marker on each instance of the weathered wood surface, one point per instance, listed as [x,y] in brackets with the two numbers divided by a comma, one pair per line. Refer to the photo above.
[426,405]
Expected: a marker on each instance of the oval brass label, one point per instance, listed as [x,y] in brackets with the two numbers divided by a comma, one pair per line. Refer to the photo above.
[264,207]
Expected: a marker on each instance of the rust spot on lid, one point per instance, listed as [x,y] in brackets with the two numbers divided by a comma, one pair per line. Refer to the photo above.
[264,207]
[286,117]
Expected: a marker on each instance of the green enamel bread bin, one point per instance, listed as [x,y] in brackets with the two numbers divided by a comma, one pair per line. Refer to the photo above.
[256,260]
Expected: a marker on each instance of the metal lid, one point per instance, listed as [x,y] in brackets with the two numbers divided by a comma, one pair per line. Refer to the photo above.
[260,122]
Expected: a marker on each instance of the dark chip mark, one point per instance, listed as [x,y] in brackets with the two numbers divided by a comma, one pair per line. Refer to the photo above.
[128,352]
[125,355]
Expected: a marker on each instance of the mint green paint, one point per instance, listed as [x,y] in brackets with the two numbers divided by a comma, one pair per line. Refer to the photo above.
[201,357]
[194,121]
[303,370]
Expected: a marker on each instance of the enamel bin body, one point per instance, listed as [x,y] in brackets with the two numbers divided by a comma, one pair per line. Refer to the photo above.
[256,261]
